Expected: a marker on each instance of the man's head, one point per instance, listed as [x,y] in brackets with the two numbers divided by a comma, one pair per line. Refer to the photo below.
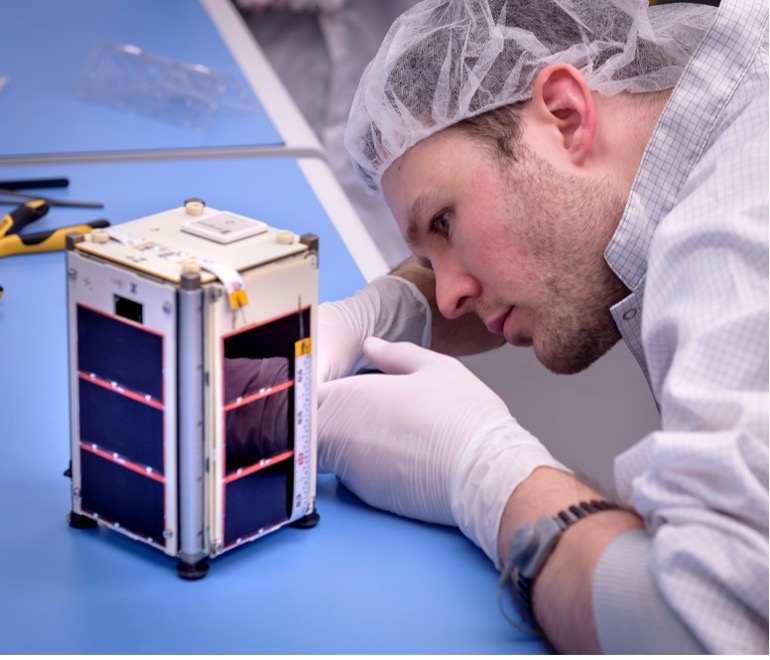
[514,237]
[444,61]
[480,123]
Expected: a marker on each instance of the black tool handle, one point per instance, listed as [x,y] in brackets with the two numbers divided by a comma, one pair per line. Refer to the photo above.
[21,216]
[28,184]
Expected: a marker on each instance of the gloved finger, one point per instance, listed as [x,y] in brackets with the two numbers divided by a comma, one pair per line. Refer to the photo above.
[396,358]
[337,419]
[322,390]
[328,448]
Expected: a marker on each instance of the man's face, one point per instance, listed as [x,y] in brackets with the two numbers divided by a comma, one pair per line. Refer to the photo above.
[518,243]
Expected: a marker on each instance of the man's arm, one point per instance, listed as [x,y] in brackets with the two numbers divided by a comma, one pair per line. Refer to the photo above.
[595,593]
[562,598]
[563,591]
[466,335]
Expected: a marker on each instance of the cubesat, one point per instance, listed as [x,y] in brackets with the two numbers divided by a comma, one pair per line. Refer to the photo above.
[192,380]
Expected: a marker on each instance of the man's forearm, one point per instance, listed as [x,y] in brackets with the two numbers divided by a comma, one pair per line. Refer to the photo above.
[562,591]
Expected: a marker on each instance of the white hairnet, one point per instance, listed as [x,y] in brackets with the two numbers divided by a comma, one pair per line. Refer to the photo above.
[443,61]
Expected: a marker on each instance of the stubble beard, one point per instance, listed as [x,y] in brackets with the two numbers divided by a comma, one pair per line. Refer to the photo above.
[571,340]
[574,324]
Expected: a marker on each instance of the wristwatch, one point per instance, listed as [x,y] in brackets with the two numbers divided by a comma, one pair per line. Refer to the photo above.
[531,545]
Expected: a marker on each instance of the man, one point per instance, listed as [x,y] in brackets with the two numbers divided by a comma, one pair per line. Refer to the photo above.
[569,174]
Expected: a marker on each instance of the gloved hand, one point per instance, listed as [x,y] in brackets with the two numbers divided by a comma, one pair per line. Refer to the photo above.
[389,307]
[426,439]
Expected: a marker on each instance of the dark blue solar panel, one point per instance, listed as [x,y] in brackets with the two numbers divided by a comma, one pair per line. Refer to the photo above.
[118,423]
[261,499]
[116,350]
[121,495]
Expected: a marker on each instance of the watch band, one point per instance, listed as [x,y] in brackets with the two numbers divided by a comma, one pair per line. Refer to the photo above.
[530,547]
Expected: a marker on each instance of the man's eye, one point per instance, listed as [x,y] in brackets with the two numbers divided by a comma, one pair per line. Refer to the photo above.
[441,224]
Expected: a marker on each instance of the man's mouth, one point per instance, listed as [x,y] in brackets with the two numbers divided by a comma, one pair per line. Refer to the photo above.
[496,324]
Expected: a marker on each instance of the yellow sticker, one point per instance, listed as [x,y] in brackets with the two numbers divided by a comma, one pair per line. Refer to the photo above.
[238,299]
[302,347]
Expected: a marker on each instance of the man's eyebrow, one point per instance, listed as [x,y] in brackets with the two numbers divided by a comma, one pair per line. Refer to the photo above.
[413,227]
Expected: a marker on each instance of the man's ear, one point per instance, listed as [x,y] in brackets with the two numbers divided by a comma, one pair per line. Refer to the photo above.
[562,98]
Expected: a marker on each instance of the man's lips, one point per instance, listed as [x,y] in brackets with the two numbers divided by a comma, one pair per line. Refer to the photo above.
[495,324]
[504,324]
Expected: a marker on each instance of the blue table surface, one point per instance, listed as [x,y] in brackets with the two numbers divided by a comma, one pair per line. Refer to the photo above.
[362,581]
[47,43]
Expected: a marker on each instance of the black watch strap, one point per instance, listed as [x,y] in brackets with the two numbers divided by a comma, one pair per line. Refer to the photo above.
[530,547]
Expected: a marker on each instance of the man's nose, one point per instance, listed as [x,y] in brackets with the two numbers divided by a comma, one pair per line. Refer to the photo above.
[456,291]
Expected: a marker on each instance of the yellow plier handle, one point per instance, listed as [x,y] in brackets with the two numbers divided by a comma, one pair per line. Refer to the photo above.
[44,241]
[21,216]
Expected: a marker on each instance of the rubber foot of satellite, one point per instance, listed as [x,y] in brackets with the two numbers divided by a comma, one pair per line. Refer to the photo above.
[194,571]
[307,522]
[79,521]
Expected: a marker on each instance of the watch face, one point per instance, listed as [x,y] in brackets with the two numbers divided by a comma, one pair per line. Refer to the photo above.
[523,544]
[534,545]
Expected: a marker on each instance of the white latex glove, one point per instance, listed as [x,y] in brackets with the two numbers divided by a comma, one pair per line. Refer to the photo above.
[389,307]
[426,439]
